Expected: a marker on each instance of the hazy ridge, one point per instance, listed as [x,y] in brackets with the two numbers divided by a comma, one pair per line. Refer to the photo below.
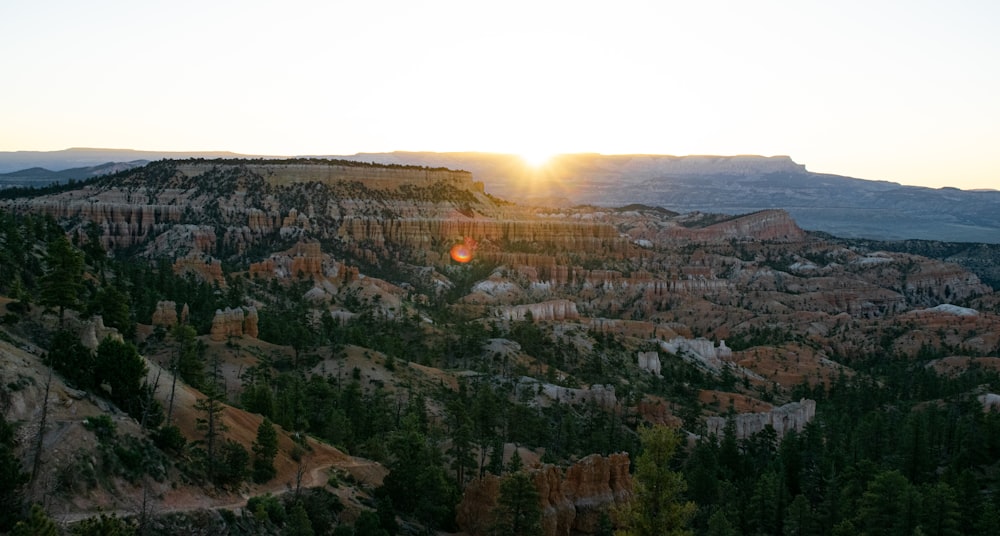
[839,205]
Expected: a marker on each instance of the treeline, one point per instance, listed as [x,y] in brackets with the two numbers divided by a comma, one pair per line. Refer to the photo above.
[892,451]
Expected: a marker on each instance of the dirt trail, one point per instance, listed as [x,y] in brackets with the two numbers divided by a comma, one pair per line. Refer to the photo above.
[188,499]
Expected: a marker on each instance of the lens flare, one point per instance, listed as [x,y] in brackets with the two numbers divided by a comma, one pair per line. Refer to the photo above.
[463,252]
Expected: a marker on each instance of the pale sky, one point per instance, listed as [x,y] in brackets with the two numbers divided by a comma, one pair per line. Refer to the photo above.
[907,91]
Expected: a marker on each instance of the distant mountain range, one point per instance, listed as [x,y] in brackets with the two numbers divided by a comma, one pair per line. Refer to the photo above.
[40,168]
[842,206]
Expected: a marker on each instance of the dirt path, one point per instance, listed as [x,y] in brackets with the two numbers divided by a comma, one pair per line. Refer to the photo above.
[188,499]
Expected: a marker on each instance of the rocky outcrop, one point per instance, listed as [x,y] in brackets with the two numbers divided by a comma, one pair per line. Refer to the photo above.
[601,395]
[304,260]
[281,173]
[656,410]
[933,282]
[165,314]
[123,217]
[545,311]
[700,349]
[594,483]
[773,225]
[201,266]
[990,401]
[650,361]
[250,320]
[94,331]
[632,328]
[571,500]
[237,322]
[791,416]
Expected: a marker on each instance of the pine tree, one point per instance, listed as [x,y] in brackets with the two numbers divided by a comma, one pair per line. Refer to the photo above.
[888,506]
[62,283]
[37,524]
[189,358]
[940,515]
[265,449]
[71,359]
[461,450]
[211,407]
[113,306]
[656,507]
[516,463]
[103,525]
[119,365]
[988,521]
[719,525]
[800,519]
[232,465]
[298,522]
[368,524]
[519,510]
[767,503]
[12,478]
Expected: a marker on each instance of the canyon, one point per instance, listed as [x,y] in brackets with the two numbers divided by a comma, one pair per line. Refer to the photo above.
[701,321]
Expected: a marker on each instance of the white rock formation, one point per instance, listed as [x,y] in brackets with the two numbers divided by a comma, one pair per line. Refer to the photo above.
[954,310]
[990,401]
[700,349]
[602,395]
[650,361]
[548,310]
[791,416]
[94,331]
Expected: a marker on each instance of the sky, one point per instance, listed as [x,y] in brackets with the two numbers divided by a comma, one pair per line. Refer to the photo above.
[905,91]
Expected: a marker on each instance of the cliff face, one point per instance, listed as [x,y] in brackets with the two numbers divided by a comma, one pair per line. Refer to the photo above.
[248,201]
[764,225]
[792,416]
[546,311]
[282,173]
[572,500]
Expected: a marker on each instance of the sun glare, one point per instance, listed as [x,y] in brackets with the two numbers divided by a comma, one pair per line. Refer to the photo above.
[536,159]
[463,251]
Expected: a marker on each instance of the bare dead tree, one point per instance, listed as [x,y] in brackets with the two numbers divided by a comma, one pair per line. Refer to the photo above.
[149,401]
[146,509]
[36,465]
[300,472]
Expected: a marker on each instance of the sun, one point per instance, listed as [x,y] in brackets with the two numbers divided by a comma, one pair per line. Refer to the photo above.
[535,158]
